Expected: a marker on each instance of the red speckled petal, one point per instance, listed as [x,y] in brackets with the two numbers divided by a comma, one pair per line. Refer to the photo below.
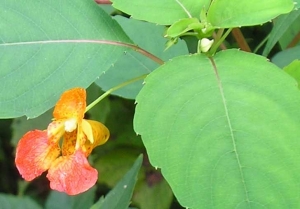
[34,154]
[71,104]
[72,174]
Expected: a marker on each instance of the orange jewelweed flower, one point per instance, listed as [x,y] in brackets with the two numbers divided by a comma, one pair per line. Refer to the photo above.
[68,168]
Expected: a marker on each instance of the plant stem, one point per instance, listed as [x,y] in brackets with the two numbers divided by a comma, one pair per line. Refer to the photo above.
[240,39]
[219,42]
[22,186]
[217,36]
[261,44]
[294,42]
[103,1]
[114,89]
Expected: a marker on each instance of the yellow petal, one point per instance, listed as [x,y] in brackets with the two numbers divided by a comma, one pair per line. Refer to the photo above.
[100,135]
[87,130]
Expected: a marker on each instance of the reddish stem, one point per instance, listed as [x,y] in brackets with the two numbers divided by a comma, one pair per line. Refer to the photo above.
[238,36]
[294,42]
[103,1]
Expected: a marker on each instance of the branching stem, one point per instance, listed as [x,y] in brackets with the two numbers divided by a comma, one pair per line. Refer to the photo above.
[219,41]
[114,89]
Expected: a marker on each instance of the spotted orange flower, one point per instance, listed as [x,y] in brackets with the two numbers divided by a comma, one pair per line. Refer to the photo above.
[68,168]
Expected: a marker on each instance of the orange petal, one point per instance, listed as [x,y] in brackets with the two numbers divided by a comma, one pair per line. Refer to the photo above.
[34,154]
[71,104]
[100,135]
[72,174]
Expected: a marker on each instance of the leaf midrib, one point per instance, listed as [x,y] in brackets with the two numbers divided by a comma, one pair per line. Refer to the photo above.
[230,128]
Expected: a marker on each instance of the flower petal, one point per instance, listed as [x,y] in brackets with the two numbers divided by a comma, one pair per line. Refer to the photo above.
[69,142]
[72,174]
[100,135]
[35,153]
[71,104]
[56,130]
[87,130]
[73,141]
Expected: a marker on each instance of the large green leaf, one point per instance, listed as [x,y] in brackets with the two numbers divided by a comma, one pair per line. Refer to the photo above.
[119,197]
[47,47]
[161,12]
[224,130]
[133,64]
[237,13]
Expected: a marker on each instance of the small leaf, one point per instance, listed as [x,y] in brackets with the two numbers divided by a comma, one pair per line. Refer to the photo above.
[119,197]
[237,13]
[182,26]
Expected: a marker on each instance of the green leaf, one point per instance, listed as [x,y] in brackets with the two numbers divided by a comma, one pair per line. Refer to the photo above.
[13,202]
[161,12]
[287,56]
[224,130]
[290,35]
[120,124]
[297,4]
[281,26]
[47,47]
[132,64]
[293,70]
[59,200]
[158,195]
[237,13]
[114,164]
[182,26]
[119,197]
